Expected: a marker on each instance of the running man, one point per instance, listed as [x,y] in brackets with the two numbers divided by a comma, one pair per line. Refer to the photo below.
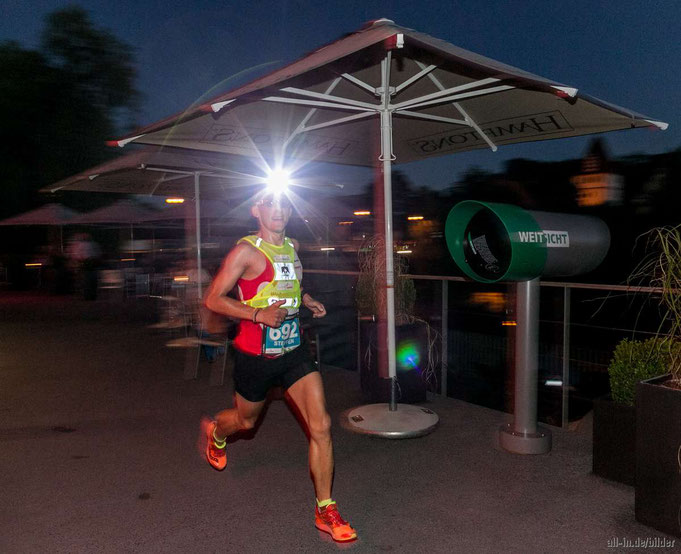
[268,352]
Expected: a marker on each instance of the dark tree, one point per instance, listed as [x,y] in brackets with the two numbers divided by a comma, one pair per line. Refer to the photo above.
[60,104]
[99,68]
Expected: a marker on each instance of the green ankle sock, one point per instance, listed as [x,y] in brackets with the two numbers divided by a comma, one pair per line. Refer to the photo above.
[220,443]
[324,503]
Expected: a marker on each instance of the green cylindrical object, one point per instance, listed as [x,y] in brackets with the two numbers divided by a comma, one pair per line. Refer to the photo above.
[493,242]
[479,235]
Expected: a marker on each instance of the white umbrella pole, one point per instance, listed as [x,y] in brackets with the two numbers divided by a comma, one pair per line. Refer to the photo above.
[386,154]
[380,419]
[197,207]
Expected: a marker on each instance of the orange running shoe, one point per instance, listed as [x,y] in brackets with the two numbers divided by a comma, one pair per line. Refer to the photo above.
[330,521]
[216,452]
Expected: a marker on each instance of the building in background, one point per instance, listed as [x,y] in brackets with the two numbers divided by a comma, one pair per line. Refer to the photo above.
[597,184]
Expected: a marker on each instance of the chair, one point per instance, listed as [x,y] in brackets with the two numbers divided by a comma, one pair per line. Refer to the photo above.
[202,339]
[172,315]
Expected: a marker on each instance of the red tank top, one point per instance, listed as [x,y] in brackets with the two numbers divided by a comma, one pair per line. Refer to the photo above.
[249,336]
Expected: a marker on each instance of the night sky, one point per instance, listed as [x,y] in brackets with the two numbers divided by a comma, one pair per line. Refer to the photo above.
[625,52]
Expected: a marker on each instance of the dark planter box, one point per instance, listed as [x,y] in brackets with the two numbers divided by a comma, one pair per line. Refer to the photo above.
[614,441]
[412,388]
[658,440]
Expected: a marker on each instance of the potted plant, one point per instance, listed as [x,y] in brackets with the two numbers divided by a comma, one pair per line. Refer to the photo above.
[414,337]
[614,426]
[658,400]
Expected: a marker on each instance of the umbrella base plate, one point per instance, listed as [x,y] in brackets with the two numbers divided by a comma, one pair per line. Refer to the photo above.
[408,421]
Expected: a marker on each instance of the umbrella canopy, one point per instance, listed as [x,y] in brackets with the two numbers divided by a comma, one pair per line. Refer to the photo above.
[442,99]
[161,172]
[49,214]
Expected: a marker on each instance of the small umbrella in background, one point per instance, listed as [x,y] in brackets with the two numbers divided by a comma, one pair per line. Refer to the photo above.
[49,214]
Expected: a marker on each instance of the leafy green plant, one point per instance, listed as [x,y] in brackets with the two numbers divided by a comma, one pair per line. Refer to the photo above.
[661,269]
[635,361]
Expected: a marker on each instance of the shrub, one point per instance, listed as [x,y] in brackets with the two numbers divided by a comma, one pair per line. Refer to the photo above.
[635,361]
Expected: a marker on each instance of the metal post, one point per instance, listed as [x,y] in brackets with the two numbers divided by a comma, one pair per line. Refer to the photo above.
[197,209]
[566,356]
[524,436]
[526,357]
[445,336]
[359,344]
[133,251]
[386,155]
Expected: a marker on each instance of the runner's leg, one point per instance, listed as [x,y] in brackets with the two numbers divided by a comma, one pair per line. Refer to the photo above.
[240,418]
[308,395]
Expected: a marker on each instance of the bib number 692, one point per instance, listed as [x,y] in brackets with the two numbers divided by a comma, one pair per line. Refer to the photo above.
[288,330]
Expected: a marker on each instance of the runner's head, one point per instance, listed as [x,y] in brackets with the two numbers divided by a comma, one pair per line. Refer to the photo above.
[272,210]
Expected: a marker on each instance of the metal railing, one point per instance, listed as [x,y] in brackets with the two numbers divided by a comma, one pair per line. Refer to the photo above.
[577,335]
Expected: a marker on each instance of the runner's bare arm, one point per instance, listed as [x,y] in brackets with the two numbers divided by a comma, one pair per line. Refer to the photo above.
[238,262]
[233,268]
[315,306]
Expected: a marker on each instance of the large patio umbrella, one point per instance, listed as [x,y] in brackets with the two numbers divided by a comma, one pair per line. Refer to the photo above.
[177,172]
[160,172]
[49,214]
[171,172]
[422,96]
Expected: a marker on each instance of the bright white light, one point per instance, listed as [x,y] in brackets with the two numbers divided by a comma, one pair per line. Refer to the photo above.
[278,181]
[554,383]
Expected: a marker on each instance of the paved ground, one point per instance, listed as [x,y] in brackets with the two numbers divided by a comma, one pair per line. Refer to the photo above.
[97,454]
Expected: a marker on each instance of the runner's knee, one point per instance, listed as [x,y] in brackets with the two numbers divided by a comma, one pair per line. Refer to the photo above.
[320,427]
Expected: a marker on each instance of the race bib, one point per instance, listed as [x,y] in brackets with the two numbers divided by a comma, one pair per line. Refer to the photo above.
[282,339]
[284,271]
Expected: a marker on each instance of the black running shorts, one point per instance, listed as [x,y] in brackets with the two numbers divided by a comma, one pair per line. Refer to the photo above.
[255,375]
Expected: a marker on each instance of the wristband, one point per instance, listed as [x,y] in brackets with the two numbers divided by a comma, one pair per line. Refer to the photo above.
[255,315]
